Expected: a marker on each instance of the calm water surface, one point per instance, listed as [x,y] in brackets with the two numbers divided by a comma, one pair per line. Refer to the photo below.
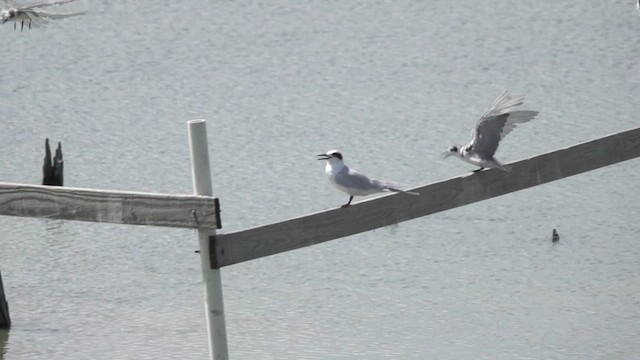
[389,83]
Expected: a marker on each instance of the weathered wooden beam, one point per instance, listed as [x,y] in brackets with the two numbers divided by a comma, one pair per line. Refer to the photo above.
[233,248]
[119,207]
[5,319]
[52,169]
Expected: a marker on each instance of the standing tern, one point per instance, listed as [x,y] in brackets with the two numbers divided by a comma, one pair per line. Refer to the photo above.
[352,182]
[498,121]
[33,13]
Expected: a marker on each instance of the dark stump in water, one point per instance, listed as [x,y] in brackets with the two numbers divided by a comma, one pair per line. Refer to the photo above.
[5,319]
[52,170]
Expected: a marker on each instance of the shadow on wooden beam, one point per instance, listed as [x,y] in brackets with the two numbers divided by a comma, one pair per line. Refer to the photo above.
[233,248]
[52,169]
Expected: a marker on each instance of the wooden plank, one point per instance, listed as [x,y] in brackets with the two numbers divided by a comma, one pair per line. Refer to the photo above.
[119,207]
[233,248]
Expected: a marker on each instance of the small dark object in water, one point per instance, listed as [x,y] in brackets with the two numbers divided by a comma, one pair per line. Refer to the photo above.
[555,237]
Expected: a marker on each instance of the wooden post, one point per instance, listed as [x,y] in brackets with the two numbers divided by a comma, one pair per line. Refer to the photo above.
[52,170]
[4,338]
[5,319]
[213,304]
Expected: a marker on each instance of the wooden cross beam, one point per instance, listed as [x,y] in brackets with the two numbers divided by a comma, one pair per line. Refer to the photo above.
[245,245]
[118,207]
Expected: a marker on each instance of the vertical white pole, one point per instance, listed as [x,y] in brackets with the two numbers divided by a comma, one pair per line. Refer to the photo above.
[213,302]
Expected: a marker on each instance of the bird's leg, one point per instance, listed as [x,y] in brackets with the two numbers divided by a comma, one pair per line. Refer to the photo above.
[29,24]
[347,204]
[478,170]
[14,25]
[22,26]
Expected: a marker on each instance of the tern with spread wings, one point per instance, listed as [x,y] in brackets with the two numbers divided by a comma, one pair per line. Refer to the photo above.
[33,14]
[498,121]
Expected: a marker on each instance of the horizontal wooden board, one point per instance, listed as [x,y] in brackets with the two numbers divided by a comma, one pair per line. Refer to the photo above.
[119,207]
[233,248]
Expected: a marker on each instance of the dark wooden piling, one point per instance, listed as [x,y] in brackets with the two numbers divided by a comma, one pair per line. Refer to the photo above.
[5,319]
[52,170]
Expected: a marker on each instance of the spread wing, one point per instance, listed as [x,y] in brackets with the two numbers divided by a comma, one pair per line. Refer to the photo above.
[51,16]
[34,15]
[497,122]
[41,4]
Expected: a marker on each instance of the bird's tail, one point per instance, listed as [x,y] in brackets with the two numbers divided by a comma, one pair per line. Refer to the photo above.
[501,166]
[403,191]
[387,186]
[395,189]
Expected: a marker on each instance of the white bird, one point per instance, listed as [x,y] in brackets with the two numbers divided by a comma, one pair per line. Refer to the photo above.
[498,121]
[33,14]
[352,182]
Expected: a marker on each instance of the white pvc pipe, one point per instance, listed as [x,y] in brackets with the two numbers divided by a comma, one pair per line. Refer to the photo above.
[213,303]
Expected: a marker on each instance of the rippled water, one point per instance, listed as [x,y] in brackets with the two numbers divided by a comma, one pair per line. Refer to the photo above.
[390,84]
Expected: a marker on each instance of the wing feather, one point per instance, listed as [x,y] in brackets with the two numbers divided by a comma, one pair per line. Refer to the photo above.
[35,19]
[53,16]
[497,122]
[45,4]
[353,179]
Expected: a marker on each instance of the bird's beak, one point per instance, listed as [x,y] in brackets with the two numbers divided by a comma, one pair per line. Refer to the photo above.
[445,154]
[323,157]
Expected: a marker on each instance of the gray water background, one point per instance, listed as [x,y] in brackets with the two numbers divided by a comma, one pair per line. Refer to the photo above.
[389,83]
